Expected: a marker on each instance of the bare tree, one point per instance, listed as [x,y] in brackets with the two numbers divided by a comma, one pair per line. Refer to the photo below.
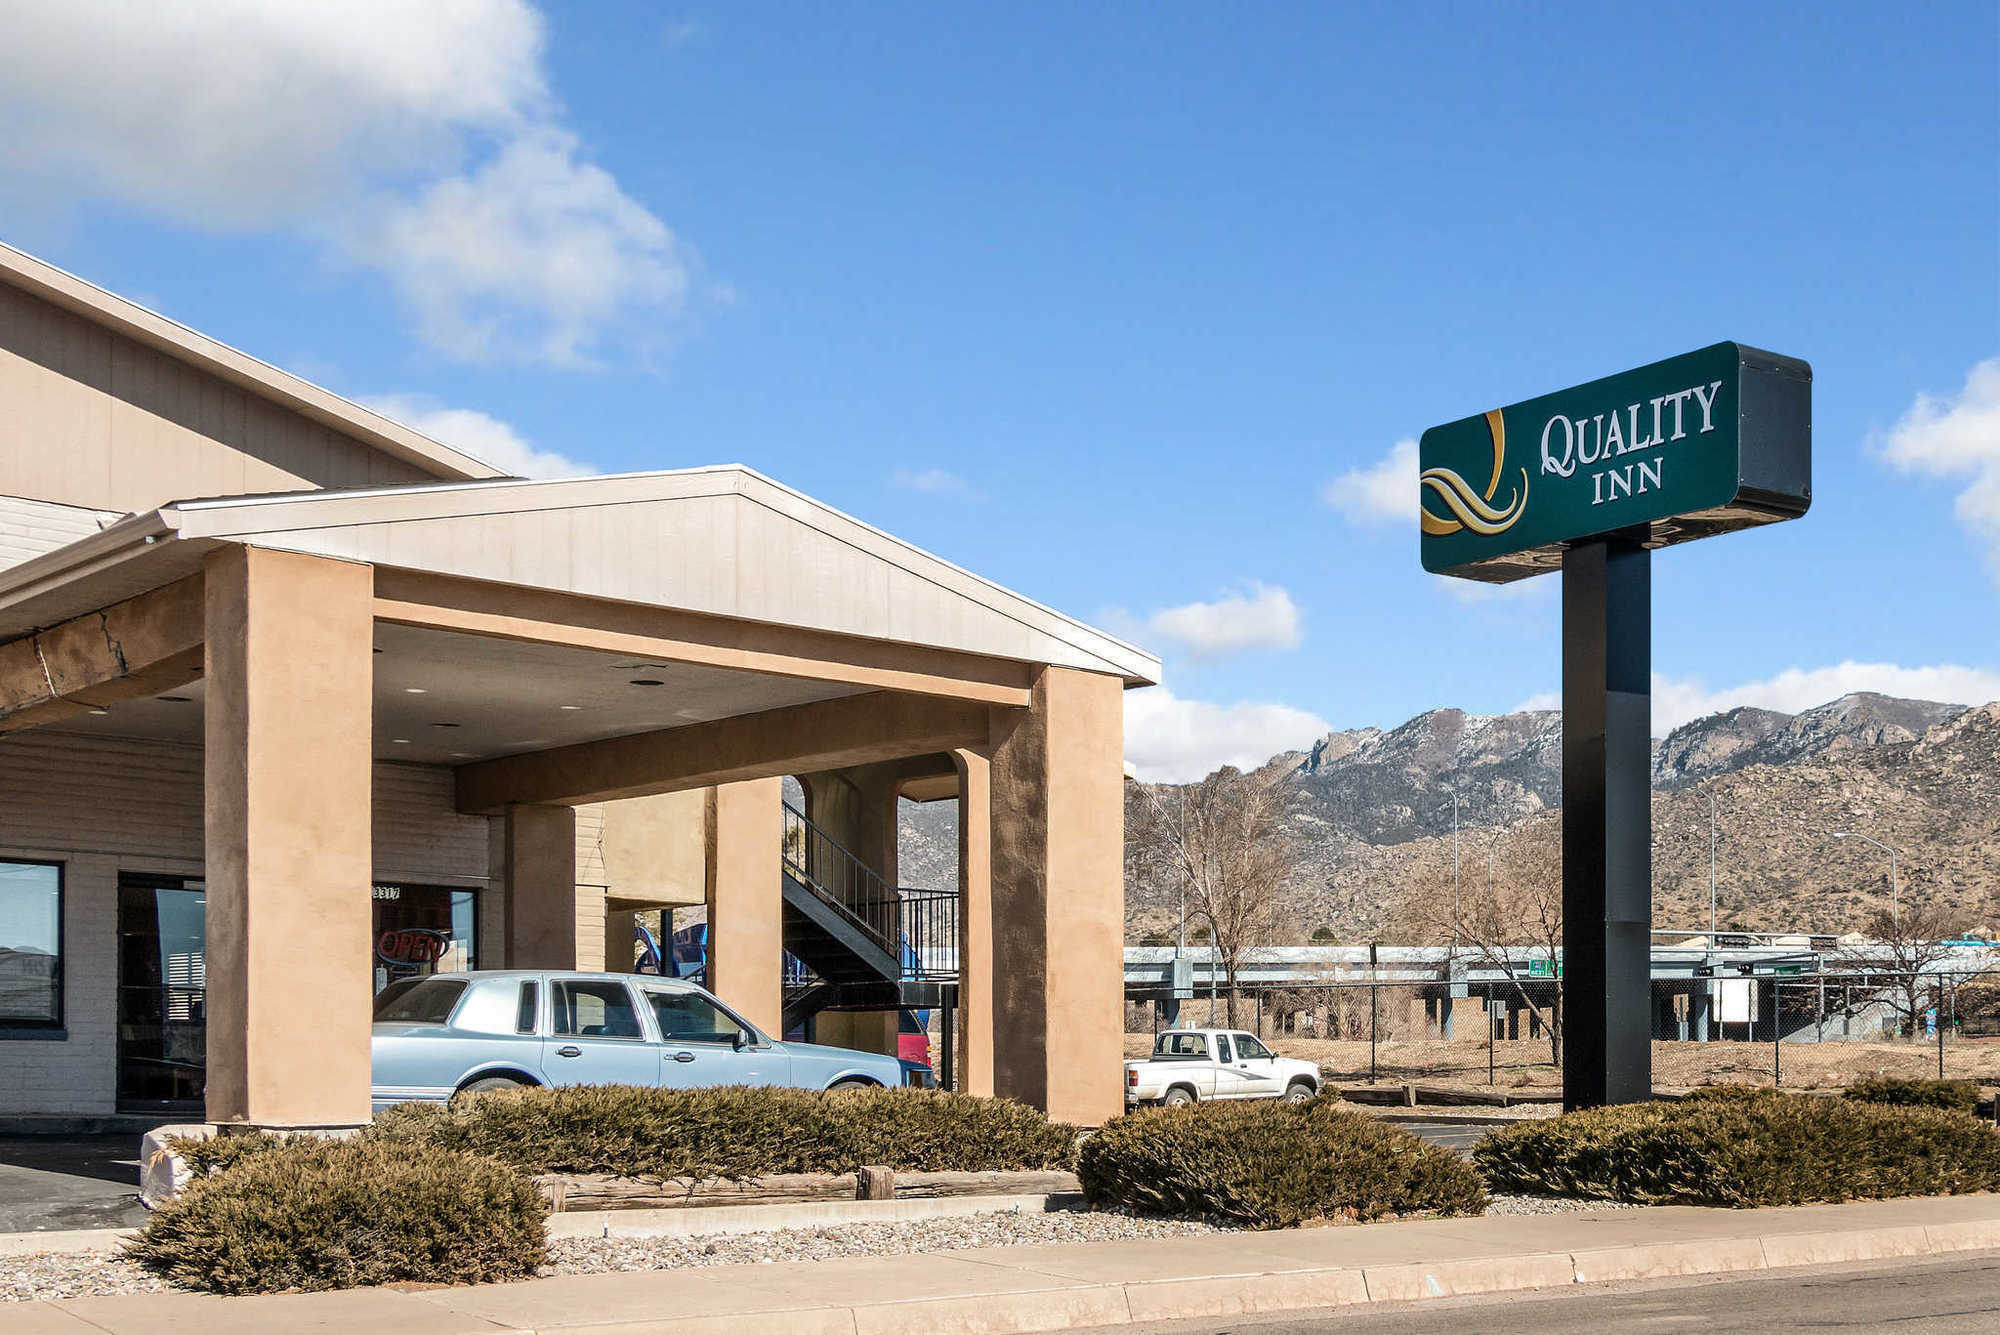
[1224,843]
[1903,950]
[1486,920]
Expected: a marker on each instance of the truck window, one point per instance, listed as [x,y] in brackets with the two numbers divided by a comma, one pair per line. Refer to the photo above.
[1181,1047]
[1222,1048]
[1248,1047]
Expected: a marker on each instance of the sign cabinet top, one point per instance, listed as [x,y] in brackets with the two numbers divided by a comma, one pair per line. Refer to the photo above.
[1699,444]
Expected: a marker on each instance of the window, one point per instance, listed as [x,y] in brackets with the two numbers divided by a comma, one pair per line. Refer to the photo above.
[1248,1047]
[418,1001]
[594,1010]
[423,929]
[490,1007]
[31,944]
[690,1017]
[524,1016]
[1222,1048]
[1180,1045]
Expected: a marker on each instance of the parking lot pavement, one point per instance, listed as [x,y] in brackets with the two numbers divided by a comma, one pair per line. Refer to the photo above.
[49,1182]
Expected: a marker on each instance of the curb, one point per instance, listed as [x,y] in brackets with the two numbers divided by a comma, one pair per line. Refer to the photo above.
[1019,1312]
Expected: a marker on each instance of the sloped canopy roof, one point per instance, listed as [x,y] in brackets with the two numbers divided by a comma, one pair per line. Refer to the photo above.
[724,541]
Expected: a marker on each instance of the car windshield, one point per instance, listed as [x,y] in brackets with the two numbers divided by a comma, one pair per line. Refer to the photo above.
[1180,1046]
[418,1001]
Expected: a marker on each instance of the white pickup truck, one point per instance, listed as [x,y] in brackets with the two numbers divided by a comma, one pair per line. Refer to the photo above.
[1192,1064]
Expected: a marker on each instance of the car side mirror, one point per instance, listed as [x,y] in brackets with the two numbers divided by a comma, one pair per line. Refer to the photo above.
[742,1039]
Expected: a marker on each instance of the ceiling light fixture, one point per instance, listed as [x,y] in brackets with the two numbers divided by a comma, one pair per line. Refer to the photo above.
[414,690]
[100,712]
[571,707]
[400,741]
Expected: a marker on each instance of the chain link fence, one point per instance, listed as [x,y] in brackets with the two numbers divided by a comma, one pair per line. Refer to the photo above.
[1498,1040]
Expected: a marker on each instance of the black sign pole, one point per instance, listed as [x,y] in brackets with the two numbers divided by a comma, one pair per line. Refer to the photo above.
[1607,615]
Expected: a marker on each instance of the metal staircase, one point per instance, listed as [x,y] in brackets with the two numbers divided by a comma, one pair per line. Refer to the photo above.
[863,943]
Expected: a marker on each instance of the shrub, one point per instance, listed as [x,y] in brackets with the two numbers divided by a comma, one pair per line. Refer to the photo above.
[1955,1095]
[319,1214]
[218,1152]
[735,1132]
[1756,1147]
[1271,1165]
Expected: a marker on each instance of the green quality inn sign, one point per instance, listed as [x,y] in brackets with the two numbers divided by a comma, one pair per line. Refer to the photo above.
[1704,443]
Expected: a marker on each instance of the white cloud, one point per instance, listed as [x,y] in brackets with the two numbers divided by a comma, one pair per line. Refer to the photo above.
[418,141]
[1959,437]
[934,482]
[1171,740]
[1679,700]
[1258,616]
[477,434]
[1383,494]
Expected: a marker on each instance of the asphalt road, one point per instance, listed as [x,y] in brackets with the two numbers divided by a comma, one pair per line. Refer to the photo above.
[1932,1296]
[69,1182]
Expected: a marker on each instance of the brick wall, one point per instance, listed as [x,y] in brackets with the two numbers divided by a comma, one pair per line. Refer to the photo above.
[100,805]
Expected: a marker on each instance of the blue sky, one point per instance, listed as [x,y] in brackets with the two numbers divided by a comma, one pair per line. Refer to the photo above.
[1124,307]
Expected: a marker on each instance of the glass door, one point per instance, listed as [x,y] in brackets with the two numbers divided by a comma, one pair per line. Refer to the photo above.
[162,993]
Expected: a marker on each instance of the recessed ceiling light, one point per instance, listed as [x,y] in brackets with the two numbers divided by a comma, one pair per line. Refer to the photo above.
[569,706]
[414,690]
[647,681]
[100,712]
[178,699]
[400,741]
[461,755]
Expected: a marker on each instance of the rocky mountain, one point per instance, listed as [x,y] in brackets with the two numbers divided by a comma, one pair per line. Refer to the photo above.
[1724,743]
[1371,815]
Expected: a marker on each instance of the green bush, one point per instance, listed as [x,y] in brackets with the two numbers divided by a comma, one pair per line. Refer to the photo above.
[1271,1165]
[735,1132]
[1955,1095]
[307,1213]
[1747,1148]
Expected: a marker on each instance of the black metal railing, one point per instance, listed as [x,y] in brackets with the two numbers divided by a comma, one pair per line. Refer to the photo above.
[918,928]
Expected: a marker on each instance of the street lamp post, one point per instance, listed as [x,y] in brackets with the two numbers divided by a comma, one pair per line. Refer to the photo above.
[1711,871]
[1895,885]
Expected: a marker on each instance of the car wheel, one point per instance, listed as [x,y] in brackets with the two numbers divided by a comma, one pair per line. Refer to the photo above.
[839,1085]
[1178,1098]
[488,1084]
[1300,1092]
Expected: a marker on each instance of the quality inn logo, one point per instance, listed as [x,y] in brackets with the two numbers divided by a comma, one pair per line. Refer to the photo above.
[1472,509]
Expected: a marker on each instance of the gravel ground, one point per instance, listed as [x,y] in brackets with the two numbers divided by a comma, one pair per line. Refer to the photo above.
[1550,1205]
[587,1256]
[98,1274]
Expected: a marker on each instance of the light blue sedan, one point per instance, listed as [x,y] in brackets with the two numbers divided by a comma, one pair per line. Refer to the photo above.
[450,1033]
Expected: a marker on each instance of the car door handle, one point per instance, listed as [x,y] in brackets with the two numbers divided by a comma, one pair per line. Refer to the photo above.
[683,1056]
[569,1052]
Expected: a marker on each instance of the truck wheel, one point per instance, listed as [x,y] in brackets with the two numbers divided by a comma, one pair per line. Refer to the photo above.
[1300,1092]
[1177,1098]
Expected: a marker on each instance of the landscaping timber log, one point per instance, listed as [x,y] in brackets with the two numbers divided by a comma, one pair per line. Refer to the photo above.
[599,1191]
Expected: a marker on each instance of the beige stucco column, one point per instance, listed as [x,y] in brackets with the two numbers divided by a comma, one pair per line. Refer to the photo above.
[974,1039]
[856,807]
[540,873]
[286,771]
[1058,821]
[746,934]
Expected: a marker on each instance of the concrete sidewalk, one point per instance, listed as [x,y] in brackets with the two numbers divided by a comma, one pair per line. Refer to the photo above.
[1089,1284]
